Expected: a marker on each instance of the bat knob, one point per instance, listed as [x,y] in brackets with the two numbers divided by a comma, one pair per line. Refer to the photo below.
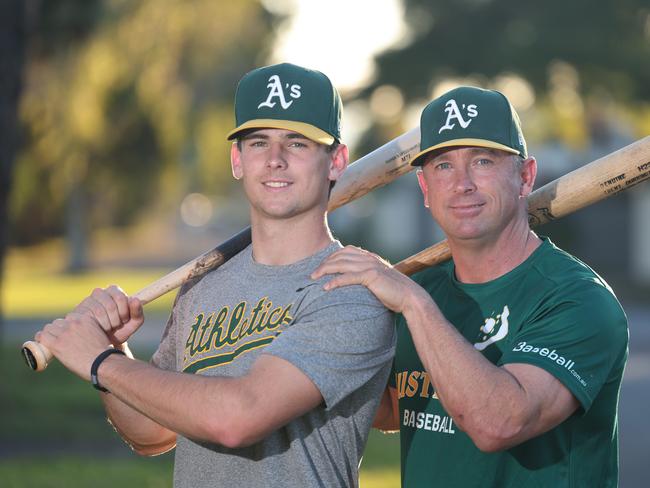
[35,355]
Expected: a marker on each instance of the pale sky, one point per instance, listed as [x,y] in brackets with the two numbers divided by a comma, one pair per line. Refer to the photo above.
[338,37]
[341,38]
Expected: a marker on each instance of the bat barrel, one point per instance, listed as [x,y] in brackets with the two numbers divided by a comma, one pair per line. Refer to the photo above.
[197,267]
[591,183]
[376,169]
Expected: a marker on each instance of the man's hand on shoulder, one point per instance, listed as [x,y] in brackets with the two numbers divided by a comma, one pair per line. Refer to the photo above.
[354,266]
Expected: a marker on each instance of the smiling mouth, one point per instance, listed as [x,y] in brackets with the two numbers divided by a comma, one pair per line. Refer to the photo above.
[276,184]
[464,207]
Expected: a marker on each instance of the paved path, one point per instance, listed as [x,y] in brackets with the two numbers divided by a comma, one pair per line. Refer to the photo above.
[17,331]
[634,424]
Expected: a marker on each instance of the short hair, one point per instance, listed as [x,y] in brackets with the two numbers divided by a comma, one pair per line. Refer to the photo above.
[519,160]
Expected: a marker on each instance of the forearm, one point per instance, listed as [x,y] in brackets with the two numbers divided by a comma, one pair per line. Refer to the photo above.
[175,402]
[498,407]
[387,416]
[233,412]
[486,401]
[229,411]
[145,436]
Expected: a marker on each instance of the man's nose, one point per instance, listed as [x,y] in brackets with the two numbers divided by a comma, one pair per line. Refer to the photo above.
[463,181]
[276,156]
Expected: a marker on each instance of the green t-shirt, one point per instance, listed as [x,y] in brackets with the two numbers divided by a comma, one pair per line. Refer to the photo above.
[553,312]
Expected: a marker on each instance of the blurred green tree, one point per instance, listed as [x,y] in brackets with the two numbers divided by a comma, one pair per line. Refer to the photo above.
[12,41]
[606,41]
[579,58]
[577,71]
[125,107]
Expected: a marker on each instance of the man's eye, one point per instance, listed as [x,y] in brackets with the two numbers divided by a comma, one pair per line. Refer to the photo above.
[443,165]
[483,162]
[297,144]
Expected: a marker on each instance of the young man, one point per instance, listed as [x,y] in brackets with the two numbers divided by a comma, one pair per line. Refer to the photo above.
[510,356]
[261,378]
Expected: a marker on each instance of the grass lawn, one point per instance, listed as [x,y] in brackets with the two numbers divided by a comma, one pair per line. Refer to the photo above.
[37,292]
[54,434]
[83,472]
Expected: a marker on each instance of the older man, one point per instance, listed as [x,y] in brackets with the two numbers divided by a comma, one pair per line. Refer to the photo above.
[510,356]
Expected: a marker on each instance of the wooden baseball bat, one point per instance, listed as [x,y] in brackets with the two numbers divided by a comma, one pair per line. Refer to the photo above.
[373,170]
[584,186]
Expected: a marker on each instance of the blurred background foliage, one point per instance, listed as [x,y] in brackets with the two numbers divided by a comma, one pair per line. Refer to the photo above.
[577,72]
[124,108]
[125,103]
[585,64]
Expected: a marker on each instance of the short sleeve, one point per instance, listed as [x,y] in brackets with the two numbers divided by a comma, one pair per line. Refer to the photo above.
[392,383]
[165,356]
[579,335]
[341,341]
[400,325]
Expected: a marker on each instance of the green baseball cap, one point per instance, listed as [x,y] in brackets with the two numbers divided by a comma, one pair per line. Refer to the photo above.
[470,116]
[286,96]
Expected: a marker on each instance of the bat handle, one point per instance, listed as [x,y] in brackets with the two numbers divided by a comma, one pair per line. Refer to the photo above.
[36,355]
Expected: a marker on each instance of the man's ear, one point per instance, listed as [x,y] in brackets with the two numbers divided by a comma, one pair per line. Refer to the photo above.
[338,162]
[235,161]
[528,173]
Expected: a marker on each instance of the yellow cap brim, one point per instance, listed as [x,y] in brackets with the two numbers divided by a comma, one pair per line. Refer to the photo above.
[418,160]
[307,130]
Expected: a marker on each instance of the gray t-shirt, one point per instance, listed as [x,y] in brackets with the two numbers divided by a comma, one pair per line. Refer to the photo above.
[343,340]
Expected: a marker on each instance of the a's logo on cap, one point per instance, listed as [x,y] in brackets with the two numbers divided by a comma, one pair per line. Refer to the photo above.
[453,112]
[276,90]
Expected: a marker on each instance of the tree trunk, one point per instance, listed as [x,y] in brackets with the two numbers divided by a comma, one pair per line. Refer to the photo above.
[76,229]
[12,45]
